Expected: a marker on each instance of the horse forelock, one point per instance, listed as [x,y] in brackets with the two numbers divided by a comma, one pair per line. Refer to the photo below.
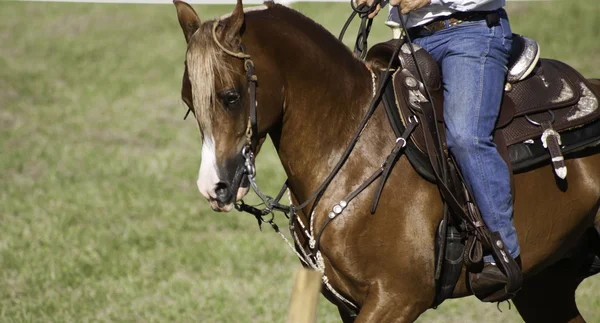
[207,67]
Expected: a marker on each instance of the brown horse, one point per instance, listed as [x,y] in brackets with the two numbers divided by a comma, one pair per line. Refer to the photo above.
[312,94]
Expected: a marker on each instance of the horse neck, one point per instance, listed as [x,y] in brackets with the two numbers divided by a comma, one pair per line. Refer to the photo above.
[326,95]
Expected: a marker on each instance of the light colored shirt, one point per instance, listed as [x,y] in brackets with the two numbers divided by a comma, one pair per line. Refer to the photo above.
[440,8]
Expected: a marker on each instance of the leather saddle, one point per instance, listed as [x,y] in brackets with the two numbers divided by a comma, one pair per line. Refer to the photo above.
[548,109]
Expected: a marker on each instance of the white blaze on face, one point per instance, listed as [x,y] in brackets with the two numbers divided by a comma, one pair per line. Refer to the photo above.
[208,176]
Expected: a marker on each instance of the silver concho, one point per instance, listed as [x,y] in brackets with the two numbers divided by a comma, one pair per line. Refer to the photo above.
[337,209]
[410,82]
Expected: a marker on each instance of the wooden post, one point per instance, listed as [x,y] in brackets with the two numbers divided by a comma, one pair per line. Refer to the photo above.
[305,296]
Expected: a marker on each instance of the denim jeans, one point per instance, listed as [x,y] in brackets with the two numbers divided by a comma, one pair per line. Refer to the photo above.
[473,58]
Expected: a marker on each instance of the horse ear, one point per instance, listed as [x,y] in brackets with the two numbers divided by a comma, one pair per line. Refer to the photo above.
[234,25]
[188,19]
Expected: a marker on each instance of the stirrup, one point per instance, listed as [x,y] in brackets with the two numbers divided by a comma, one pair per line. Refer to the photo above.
[505,276]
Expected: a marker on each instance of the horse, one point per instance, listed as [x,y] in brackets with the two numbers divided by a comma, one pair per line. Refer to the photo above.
[311,96]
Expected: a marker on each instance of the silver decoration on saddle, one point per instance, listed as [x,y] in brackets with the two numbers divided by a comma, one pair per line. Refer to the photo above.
[411,82]
[547,133]
[415,97]
[551,137]
[566,92]
[504,257]
[588,104]
[543,78]
[526,61]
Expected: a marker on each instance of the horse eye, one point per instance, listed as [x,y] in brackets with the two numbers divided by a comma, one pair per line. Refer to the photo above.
[230,97]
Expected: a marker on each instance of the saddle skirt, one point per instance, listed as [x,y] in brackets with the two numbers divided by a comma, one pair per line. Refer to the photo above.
[548,109]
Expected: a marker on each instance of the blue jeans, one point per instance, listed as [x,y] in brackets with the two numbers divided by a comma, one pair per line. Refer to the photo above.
[473,59]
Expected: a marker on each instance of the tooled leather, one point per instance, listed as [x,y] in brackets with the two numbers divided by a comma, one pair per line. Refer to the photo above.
[520,129]
[429,67]
[545,89]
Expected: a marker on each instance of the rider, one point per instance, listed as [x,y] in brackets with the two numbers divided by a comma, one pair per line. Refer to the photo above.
[471,40]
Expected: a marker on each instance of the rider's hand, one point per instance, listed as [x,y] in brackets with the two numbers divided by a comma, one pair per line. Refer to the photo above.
[369,3]
[407,6]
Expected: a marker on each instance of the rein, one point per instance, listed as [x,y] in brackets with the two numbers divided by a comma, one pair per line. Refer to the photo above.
[360,45]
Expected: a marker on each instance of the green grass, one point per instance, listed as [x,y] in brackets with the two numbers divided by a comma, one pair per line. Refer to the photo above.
[100,218]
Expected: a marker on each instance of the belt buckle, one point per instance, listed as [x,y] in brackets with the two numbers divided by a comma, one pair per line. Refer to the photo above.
[458,21]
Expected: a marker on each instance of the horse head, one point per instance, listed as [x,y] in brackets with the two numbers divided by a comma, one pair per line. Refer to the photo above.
[215,88]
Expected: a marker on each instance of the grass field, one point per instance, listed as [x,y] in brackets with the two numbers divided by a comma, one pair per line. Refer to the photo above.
[100,218]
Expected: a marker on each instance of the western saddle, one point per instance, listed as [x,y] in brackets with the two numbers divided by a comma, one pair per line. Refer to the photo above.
[548,110]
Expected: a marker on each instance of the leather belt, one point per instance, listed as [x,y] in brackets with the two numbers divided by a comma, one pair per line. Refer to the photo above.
[453,20]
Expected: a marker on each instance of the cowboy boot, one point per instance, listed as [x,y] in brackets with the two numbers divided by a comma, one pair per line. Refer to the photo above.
[488,281]
[489,285]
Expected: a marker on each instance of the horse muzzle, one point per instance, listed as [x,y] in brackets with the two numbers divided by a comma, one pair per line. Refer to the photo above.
[224,199]
[225,186]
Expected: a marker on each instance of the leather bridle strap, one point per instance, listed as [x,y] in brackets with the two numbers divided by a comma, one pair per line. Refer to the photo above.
[246,170]
[252,79]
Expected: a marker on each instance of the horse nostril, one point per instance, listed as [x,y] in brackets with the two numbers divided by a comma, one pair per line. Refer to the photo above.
[222,193]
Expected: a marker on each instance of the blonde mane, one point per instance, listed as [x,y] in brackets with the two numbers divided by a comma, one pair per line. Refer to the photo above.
[205,61]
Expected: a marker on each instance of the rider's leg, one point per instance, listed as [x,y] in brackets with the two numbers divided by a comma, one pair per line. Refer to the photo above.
[474,58]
